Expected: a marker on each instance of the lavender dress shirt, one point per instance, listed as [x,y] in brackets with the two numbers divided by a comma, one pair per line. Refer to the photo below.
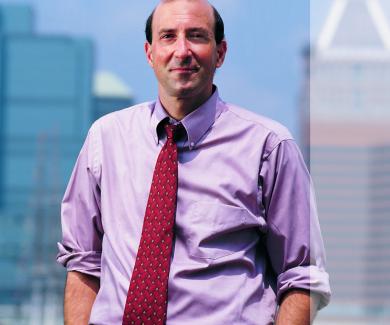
[246,224]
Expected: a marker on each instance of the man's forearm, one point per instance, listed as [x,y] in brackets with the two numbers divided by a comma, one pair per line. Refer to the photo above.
[80,293]
[297,308]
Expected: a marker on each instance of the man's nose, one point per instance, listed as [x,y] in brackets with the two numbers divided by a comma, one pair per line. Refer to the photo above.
[183,49]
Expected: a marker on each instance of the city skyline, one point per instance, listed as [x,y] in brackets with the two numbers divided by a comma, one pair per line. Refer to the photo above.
[267,64]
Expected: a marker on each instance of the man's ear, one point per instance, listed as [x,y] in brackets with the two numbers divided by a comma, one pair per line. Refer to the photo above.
[221,52]
[149,54]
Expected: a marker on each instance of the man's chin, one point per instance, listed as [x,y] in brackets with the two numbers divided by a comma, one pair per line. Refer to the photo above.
[184,92]
[186,89]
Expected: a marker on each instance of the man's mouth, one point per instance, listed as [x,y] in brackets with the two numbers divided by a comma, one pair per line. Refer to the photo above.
[185,69]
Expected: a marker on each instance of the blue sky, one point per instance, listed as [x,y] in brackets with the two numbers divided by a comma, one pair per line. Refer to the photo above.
[263,69]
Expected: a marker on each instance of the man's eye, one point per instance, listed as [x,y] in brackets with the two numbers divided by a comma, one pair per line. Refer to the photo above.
[197,35]
[167,36]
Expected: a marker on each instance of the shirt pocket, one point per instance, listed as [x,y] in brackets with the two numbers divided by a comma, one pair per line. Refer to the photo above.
[217,230]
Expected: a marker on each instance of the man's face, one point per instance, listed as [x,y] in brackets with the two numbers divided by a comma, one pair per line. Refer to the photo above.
[183,53]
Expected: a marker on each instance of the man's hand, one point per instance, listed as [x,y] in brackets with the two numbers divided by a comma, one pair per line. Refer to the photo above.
[297,308]
[80,293]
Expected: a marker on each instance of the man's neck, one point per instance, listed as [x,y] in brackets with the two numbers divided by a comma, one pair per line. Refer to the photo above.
[178,108]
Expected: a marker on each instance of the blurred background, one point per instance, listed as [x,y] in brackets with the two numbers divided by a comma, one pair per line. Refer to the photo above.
[349,154]
[320,67]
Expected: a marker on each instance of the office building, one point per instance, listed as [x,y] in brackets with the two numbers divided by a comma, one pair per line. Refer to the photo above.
[47,103]
[110,93]
[350,155]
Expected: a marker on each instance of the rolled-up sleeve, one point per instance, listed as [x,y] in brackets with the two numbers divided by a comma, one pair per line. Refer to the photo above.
[82,231]
[293,238]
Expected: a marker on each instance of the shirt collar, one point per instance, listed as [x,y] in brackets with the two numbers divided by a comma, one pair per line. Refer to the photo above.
[196,123]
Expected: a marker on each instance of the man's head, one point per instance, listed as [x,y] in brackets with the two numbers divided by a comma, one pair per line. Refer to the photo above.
[185,47]
[219,27]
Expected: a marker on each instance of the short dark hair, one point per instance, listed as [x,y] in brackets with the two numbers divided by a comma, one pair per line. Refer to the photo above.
[219,27]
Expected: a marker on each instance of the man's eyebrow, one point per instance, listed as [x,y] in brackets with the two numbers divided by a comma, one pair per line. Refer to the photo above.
[193,29]
[166,30]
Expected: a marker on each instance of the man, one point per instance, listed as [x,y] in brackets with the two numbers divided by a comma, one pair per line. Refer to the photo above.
[189,210]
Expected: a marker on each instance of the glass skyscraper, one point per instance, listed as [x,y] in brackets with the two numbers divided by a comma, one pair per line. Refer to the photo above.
[349,158]
[47,104]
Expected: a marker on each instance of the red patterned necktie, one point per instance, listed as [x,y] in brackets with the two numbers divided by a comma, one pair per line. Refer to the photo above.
[147,297]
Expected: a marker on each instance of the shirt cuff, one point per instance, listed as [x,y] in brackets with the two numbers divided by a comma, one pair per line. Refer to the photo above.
[84,262]
[311,278]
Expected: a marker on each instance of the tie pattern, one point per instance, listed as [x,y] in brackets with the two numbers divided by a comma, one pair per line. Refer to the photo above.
[146,301]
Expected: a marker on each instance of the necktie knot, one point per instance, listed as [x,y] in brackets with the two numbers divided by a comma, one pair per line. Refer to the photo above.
[172,130]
